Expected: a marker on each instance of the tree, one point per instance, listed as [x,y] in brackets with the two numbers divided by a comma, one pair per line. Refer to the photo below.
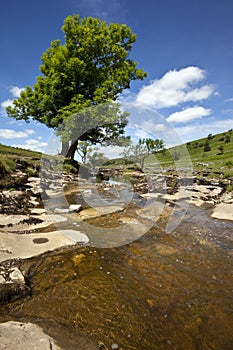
[97,159]
[91,67]
[138,152]
[84,147]
[206,146]
[227,138]
[221,149]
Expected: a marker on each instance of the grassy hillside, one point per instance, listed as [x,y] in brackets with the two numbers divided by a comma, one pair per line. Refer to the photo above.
[212,154]
[12,159]
[18,159]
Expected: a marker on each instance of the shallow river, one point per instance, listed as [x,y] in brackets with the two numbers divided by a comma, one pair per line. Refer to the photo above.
[162,291]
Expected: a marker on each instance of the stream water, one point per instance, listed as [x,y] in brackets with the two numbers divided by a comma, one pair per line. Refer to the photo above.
[162,291]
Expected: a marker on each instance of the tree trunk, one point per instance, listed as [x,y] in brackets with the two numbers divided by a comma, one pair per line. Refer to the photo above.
[65,148]
[72,149]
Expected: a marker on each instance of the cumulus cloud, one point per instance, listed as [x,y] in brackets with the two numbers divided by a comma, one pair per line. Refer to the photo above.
[189,114]
[15,91]
[8,134]
[6,103]
[175,87]
[33,145]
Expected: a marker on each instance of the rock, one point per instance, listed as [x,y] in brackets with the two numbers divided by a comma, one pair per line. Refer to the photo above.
[24,245]
[16,276]
[37,211]
[223,211]
[75,207]
[115,346]
[2,279]
[129,220]
[87,192]
[91,213]
[77,259]
[12,219]
[102,176]
[53,218]
[22,336]
[61,211]
[75,236]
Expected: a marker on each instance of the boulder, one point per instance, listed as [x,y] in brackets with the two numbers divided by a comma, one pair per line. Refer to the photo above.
[21,336]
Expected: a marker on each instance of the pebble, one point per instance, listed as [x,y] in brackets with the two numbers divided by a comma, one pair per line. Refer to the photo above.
[115,346]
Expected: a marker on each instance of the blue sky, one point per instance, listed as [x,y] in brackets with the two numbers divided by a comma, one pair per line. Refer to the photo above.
[185,46]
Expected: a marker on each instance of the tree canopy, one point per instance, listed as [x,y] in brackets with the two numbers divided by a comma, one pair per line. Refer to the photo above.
[92,66]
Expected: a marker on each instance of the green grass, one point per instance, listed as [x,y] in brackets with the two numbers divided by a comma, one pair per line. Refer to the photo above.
[218,162]
[12,151]
[12,159]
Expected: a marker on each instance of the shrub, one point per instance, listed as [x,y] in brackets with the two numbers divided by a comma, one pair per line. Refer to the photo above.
[207,147]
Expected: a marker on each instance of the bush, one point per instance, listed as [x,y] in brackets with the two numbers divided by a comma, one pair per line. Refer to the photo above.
[207,147]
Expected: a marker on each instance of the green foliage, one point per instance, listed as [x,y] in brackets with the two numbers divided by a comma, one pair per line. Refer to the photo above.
[84,147]
[221,149]
[227,138]
[97,159]
[91,67]
[206,146]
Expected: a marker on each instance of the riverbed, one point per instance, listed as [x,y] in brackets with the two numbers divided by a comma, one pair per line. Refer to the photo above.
[161,291]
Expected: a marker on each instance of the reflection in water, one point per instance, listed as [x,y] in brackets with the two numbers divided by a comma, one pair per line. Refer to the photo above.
[163,291]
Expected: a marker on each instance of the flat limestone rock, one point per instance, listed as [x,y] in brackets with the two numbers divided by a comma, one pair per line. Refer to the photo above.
[28,245]
[23,336]
[6,219]
[223,211]
[91,213]
[37,211]
[76,236]
[19,222]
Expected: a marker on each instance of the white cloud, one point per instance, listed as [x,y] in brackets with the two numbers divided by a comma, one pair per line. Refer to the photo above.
[6,103]
[197,131]
[152,126]
[229,99]
[175,87]
[33,145]
[15,90]
[7,134]
[189,114]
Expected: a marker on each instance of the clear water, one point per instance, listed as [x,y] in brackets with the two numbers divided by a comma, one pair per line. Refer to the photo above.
[163,291]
